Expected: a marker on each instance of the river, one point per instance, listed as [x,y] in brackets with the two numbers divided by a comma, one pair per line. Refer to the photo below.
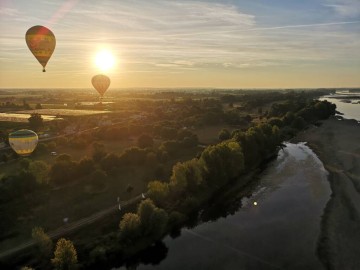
[275,227]
[346,103]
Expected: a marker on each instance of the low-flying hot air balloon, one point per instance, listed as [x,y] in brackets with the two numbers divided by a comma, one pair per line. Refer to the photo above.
[41,42]
[23,141]
[101,83]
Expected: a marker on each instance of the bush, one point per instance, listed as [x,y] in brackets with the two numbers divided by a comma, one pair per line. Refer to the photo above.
[129,188]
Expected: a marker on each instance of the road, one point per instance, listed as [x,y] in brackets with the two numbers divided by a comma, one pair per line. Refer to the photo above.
[70,227]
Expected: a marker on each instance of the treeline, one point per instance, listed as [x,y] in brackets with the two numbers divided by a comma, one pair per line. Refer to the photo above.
[193,183]
[94,169]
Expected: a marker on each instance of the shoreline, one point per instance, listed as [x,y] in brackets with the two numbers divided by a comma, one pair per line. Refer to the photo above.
[336,143]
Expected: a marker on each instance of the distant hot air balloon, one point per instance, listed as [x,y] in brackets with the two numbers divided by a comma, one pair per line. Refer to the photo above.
[101,83]
[23,141]
[41,42]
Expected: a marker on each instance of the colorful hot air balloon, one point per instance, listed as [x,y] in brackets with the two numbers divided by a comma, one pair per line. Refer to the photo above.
[23,141]
[101,83]
[41,42]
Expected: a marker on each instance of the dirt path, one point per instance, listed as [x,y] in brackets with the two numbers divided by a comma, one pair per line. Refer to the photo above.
[63,230]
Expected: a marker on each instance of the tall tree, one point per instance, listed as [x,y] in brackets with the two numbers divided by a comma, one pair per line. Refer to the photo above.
[65,256]
[35,121]
[42,240]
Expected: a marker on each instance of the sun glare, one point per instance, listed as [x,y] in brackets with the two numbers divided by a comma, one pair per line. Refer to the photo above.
[104,60]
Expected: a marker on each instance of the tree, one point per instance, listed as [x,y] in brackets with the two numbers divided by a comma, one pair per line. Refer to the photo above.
[186,176]
[40,169]
[110,163]
[129,188]
[35,121]
[133,156]
[190,141]
[24,163]
[145,141]
[298,123]
[167,133]
[63,170]
[129,227]
[171,147]
[224,135]
[42,240]
[38,106]
[85,166]
[222,162]
[26,105]
[98,151]
[151,159]
[153,220]
[65,256]
[158,191]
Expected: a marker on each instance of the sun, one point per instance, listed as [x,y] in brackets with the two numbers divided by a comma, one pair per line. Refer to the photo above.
[104,60]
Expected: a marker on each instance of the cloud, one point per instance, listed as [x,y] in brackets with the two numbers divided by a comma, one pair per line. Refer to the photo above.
[4,11]
[345,8]
[176,36]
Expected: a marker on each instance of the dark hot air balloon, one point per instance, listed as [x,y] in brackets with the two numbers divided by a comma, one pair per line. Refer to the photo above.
[101,83]
[41,42]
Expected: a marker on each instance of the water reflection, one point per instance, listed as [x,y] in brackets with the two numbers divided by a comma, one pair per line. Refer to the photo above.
[274,224]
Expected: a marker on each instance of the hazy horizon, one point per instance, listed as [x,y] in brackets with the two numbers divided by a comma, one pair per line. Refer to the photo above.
[186,44]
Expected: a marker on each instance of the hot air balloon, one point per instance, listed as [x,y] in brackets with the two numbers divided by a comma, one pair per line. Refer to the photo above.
[101,83]
[41,42]
[23,141]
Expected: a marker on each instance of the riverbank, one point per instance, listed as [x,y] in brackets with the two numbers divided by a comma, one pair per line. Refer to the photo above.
[336,142]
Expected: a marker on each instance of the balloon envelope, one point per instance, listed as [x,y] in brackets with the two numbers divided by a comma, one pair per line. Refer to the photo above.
[101,83]
[23,141]
[41,42]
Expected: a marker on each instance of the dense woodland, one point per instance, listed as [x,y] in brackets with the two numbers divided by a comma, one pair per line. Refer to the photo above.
[182,175]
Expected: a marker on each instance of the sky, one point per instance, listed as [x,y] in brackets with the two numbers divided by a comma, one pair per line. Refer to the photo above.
[167,43]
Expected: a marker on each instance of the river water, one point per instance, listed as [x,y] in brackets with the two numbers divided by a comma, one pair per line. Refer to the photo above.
[346,103]
[275,227]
